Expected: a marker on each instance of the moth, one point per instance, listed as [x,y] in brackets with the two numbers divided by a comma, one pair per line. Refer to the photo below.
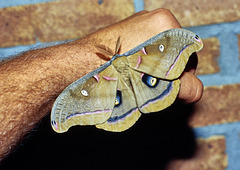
[140,81]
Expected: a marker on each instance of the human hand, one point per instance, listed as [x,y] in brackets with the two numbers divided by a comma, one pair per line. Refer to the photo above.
[139,28]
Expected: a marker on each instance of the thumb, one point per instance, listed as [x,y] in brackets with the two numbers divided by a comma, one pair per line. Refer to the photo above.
[191,88]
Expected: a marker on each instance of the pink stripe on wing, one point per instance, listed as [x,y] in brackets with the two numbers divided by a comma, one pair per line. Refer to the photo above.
[139,61]
[109,78]
[172,66]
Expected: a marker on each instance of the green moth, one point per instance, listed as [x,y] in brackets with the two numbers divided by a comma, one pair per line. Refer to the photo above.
[142,80]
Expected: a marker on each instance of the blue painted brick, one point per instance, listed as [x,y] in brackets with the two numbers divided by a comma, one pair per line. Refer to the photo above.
[138,5]
[9,3]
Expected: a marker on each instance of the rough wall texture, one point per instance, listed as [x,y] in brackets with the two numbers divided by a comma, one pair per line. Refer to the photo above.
[199,12]
[58,20]
[215,119]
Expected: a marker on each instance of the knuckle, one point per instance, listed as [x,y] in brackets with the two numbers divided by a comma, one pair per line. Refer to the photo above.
[164,18]
[161,13]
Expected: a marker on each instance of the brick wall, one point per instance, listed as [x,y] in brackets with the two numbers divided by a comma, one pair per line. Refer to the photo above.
[215,119]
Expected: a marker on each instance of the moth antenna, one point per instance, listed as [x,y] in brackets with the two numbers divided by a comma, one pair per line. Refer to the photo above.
[104,52]
[118,46]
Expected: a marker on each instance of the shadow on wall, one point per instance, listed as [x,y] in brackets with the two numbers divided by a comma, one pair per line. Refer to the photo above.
[151,143]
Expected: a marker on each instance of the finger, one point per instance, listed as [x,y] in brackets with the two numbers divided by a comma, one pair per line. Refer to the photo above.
[191,89]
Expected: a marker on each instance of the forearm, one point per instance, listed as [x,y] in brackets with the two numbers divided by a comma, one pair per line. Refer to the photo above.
[30,83]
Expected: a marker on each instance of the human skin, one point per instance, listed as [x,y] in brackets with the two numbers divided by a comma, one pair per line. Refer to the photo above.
[31,82]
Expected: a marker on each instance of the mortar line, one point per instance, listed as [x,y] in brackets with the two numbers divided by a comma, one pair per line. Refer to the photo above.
[213,30]
[219,79]
[138,5]
[228,60]
[216,129]
[13,3]
[233,150]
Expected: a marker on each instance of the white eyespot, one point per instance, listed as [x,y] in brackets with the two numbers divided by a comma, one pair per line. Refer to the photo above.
[153,81]
[116,102]
[84,92]
[161,48]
